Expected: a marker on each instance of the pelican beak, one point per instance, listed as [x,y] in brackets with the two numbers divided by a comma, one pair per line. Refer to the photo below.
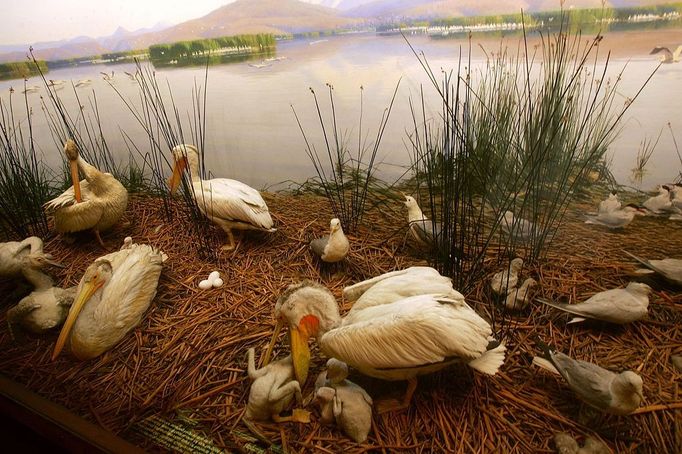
[75,179]
[89,288]
[50,261]
[273,340]
[300,353]
[176,178]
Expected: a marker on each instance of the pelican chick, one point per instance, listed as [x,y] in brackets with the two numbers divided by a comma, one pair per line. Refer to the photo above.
[668,57]
[96,203]
[397,340]
[45,307]
[272,389]
[111,299]
[616,219]
[610,204]
[507,279]
[333,248]
[670,269]
[619,305]
[518,298]
[618,394]
[13,256]
[426,232]
[230,204]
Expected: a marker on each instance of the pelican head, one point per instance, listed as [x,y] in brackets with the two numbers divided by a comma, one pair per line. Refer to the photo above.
[309,310]
[184,156]
[39,260]
[71,152]
[516,264]
[95,278]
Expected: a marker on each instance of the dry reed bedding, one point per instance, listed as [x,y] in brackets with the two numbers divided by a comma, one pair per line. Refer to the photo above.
[187,358]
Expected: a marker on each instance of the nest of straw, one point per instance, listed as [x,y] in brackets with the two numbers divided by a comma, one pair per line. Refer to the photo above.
[184,366]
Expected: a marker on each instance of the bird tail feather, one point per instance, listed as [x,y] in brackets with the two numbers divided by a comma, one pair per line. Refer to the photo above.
[561,306]
[489,362]
[547,365]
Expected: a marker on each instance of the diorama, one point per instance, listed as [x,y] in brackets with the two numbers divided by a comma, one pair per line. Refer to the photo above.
[343,226]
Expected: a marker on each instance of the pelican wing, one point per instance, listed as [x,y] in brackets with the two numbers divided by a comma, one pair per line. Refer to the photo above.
[67,198]
[589,381]
[411,332]
[355,291]
[78,216]
[233,200]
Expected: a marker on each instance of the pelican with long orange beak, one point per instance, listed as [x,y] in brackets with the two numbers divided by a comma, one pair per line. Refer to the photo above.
[111,299]
[230,204]
[96,203]
[398,338]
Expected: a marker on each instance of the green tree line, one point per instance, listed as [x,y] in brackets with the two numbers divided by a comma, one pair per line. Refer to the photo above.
[189,49]
[21,69]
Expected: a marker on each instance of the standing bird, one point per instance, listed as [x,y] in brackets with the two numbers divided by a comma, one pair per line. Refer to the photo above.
[518,298]
[425,231]
[610,204]
[506,280]
[618,394]
[660,203]
[111,299]
[670,269]
[668,57]
[620,305]
[96,203]
[45,307]
[396,340]
[14,253]
[230,204]
[616,219]
[333,248]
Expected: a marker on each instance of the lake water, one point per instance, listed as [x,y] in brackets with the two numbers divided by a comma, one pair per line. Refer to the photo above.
[252,134]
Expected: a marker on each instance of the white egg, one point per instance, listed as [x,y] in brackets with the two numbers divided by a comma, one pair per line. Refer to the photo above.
[205,284]
[217,282]
[213,276]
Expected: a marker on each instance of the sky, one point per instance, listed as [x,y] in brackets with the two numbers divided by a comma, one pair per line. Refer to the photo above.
[31,21]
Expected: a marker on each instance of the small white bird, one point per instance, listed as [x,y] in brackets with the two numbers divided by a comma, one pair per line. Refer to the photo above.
[106,76]
[272,389]
[620,305]
[670,269]
[618,394]
[660,203]
[517,228]
[45,307]
[610,204]
[425,231]
[333,248]
[616,219]
[676,196]
[518,298]
[668,57]
[14,253]
[507,279]
[83,83]
[344,402]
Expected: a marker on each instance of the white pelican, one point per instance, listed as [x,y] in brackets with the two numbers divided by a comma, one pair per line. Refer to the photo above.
[96,203]
[661,202]
[618,394]
[45,307]
[668,57]
[618,305]
[230,204]
[616,219]
[423,230]
[396,340]
[334,247]
[111,299]
[670,269]
[610,204]
[14,253]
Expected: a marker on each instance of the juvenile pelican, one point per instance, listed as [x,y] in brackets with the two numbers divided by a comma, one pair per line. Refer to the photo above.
[111,299]
[504,281]
[396,340]
[334,247]
[96,203]
[616,219]
[423,230]
[668,57]
[14,253]
[45,307]
[228,203]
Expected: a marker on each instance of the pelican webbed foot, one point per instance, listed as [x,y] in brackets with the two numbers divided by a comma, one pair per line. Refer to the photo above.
[390,405]
[297,415]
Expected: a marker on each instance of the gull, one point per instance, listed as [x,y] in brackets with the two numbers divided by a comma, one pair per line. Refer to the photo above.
[670,269]
[518,298]
[610,204]
[616,219]
[333,248]
[423,230]
[661,202]
[620,305]
[518,228]
[507,279]
[668,57]
[618,394]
